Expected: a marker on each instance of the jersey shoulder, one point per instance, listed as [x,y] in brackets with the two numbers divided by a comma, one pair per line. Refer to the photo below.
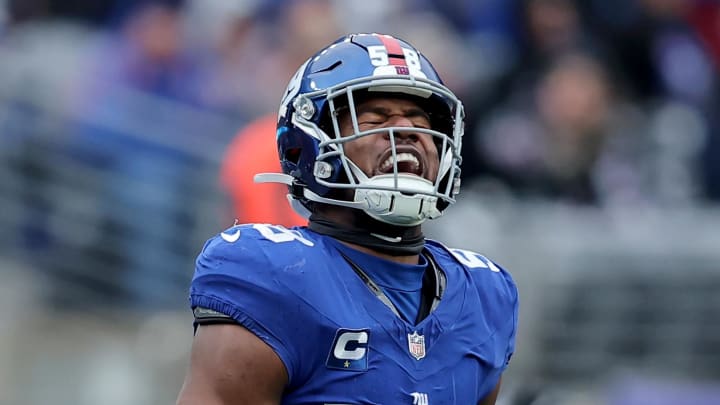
[477,265]
[250,245]
[492,282]
[250,258]
[495,299]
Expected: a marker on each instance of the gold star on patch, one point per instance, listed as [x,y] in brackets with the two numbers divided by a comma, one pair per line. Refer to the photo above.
[346,364]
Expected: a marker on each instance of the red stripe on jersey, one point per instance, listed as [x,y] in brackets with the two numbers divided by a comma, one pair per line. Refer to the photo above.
[394,50]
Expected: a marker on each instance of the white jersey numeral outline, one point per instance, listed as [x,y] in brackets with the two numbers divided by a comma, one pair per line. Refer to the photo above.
[420,398]
[280,234]
[474,260]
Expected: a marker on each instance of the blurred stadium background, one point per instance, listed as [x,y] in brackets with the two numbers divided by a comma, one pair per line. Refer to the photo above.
[591,172]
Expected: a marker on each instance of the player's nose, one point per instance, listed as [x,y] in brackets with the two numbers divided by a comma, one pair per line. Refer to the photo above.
[399,120]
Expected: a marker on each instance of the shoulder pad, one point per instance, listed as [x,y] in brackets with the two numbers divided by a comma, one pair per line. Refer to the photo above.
[256,244]
[490,279]
[467,258]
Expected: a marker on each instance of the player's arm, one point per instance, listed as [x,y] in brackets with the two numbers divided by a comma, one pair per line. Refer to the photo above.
[230,365]
[491,397]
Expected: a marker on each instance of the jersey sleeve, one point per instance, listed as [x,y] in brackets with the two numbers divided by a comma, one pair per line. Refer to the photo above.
[245,276]
[502,295]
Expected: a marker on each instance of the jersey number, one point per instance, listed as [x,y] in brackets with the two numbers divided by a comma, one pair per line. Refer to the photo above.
[473,260]
[279,234]
[381,60]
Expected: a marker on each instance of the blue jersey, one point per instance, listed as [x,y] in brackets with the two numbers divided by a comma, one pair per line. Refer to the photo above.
[341,344]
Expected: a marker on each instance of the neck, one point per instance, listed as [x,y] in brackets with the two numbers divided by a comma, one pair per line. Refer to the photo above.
[405,259]
[356,229]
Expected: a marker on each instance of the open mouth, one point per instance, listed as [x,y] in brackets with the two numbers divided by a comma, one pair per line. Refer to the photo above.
[407,162]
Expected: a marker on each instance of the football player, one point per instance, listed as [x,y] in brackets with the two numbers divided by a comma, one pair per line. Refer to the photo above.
[358,307]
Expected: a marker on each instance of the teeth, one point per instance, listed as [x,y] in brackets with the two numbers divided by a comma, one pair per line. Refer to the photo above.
[401,157]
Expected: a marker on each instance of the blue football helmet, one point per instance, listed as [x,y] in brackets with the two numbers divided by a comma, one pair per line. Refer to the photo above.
[310,145]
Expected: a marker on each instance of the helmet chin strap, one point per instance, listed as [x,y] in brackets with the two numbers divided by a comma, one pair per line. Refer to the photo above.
[390,207]
[383,220]
[379,201]
[363,229]
[384,203]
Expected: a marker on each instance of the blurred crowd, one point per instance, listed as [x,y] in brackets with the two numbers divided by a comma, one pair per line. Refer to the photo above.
[594,102]
[600,103]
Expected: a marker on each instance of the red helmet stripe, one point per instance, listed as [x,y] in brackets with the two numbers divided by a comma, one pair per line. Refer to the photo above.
[395,52]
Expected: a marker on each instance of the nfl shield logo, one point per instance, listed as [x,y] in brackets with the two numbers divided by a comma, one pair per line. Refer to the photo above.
[416,345]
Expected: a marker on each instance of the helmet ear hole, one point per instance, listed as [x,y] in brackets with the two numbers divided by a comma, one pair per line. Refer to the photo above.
[292,155]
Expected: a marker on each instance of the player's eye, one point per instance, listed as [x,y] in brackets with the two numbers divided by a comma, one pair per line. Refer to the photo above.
[421,122]
[372,118]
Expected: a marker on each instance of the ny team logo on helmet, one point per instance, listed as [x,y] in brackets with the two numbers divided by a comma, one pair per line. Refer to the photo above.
[311,148]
